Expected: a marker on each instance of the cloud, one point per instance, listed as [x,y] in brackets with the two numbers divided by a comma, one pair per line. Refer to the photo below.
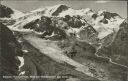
[101,1]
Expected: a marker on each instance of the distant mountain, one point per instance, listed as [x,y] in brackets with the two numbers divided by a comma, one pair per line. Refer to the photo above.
[8,15]
[103,22]
[85,24]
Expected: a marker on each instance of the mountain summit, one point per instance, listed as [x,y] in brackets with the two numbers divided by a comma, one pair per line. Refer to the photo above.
[103,22]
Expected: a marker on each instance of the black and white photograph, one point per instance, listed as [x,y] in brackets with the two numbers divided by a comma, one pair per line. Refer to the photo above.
[63,40]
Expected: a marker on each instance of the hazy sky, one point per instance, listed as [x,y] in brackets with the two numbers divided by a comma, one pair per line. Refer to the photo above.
[119,7]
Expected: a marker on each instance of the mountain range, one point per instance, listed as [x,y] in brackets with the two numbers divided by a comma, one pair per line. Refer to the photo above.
[59,40]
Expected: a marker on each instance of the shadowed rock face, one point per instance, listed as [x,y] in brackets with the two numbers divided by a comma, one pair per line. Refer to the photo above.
[60,9]
[10,48]
[5,11]
[108,15]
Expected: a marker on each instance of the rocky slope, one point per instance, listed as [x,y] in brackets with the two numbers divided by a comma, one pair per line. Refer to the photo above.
[117,49]
[10,49]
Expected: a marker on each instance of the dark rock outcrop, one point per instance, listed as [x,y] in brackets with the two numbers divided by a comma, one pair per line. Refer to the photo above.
[5,11]
[59,10]
[10,48]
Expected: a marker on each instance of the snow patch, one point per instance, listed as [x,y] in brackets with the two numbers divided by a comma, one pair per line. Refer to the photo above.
[17,14]
[21,60]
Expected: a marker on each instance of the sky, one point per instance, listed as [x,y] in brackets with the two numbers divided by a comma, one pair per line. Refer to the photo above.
[119,7]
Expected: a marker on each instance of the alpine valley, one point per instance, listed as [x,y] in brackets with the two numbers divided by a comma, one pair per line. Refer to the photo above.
[77,45]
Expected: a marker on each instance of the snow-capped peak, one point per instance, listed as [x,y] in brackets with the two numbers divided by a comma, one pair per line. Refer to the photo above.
[55,10]
[62,10]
